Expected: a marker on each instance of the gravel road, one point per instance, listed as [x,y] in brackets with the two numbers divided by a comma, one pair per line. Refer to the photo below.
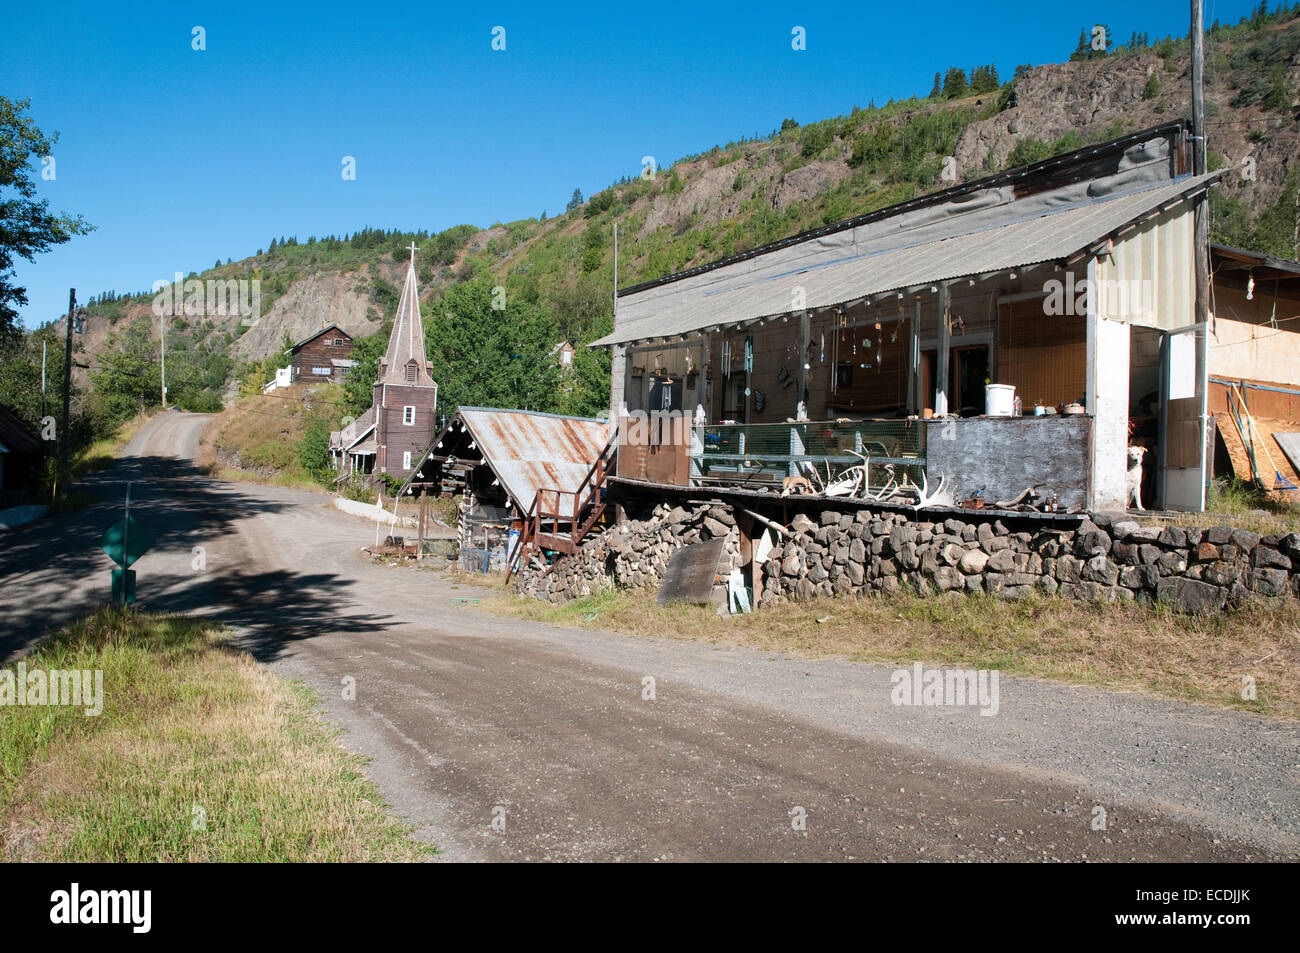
[469,719]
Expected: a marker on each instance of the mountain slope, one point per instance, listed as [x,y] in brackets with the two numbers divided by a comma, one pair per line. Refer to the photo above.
[733,198]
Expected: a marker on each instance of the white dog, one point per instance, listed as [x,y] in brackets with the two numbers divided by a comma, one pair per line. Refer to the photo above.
[1133,478]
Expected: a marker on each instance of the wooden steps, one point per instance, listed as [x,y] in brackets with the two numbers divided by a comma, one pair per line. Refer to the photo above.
[559,520]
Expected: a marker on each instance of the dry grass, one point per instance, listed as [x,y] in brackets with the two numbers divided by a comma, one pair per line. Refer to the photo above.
[199,755]
[261,434]
[103,453]
[1132,648]
[1246,506]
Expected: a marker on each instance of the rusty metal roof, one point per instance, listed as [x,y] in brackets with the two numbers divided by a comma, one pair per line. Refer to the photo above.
[528,450]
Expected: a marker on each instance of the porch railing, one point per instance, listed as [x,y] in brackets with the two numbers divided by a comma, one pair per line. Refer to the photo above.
[766,453]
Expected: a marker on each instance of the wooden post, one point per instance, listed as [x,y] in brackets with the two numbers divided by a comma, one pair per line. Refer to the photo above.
[915,399]
[424,512]
[944,357]
[805,342]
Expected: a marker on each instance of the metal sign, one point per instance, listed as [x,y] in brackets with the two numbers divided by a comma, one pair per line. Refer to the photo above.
[691,573]
[125,542]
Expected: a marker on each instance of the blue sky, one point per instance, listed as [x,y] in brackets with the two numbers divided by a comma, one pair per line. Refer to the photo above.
[182,157]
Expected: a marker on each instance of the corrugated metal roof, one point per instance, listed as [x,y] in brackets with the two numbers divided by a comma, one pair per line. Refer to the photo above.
[528,450]
[835,270]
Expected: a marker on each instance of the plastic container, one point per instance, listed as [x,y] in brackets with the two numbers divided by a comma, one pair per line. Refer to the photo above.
[999,400]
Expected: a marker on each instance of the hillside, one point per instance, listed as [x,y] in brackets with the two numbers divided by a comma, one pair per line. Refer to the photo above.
[734,197]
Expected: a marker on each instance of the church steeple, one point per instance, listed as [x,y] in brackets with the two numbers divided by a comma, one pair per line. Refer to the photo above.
[404,362]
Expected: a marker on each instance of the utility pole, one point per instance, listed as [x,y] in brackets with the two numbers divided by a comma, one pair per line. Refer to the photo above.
[67,395]
[162,333]
[44,347]
[1202,239]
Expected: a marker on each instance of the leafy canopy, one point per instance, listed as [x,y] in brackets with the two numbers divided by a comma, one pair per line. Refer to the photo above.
[27,226]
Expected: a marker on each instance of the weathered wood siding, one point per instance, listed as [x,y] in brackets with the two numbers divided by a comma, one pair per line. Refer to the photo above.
[395,437]
[319,351]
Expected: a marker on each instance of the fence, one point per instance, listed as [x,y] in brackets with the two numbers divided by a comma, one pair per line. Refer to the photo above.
[485,539]
[767,453]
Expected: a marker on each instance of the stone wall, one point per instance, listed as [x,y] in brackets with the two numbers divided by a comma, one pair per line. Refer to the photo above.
[633,554]
[861,552]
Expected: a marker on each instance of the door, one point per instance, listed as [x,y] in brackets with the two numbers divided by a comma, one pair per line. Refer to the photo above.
[1183,386]
[970,374]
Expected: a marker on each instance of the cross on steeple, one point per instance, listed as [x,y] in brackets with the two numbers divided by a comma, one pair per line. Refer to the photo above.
[413,251]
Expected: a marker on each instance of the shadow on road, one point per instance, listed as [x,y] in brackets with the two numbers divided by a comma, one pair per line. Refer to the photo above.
[53,571]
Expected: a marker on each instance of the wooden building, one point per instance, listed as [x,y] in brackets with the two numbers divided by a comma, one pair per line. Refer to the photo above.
[21,455]
[562,354]
[1254,367]
[517,471]
[325,355]
[405,401]
[1072,280]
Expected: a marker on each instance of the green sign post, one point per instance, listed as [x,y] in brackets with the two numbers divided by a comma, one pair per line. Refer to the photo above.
[125,542]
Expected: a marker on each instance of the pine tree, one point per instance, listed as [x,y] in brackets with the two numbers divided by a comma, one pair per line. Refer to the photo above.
[937,90]
[954,83]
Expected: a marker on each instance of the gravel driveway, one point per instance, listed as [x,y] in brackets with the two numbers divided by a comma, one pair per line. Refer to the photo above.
[474,722]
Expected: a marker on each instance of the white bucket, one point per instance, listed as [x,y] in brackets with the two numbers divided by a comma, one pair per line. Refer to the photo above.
[999,399]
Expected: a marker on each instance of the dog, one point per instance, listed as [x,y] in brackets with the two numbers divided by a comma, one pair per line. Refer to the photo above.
[1133,478]
[796,484]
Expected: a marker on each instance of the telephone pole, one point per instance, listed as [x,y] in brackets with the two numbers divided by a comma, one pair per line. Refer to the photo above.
[1201,224]
[162,334]
[67,395]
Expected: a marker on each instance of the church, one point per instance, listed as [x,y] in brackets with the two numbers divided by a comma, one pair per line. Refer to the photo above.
[392,435]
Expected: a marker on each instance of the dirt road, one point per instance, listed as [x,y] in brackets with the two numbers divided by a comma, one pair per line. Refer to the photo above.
[470,719]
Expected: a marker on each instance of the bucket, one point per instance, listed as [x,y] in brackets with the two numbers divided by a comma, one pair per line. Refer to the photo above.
[998,400]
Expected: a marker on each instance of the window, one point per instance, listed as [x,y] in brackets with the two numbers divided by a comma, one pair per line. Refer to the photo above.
[322,371]
[406,460]
[337,342]
[566,357]
[408,415]
[412,371]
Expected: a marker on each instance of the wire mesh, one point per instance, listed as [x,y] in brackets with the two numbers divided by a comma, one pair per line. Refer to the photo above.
[766,453]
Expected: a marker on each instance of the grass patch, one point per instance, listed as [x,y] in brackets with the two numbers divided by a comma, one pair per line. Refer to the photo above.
[1247,506]
[1124,647]
[199,754]
[103,453]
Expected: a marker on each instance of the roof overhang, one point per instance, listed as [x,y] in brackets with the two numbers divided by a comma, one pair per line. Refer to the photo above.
[848,268]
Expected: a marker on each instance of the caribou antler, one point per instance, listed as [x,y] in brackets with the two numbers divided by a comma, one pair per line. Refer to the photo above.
[942,495]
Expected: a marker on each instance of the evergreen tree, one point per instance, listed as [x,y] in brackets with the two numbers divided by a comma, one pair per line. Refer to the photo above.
[954,83]
[575,201]
[937,89]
